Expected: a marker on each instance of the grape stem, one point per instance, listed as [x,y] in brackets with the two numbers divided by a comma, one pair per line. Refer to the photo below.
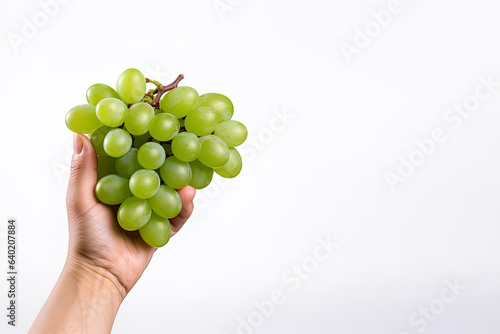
[156,83]
[151,93]
[161,90]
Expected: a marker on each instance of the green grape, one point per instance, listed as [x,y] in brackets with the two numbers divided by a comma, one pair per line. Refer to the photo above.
[233,133]
[131,86]
[117,143]
[233,165]
[151,155]
[97,139]
[164,127]
[98,91]
[179,101]
[157,231]
[112,189]
[134,213]
[220,103]
[168,148]
[167,202]
[158,111]
[175,173]
[141,140]
[83,119]
[202,175]
[111,112]
[181,122]
[214,152]
[128,164]
[201,121]
[138,118]
[186,146]
[105,166]
[144,183]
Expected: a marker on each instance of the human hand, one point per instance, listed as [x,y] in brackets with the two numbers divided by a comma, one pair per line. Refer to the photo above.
[104,261]
[96,241]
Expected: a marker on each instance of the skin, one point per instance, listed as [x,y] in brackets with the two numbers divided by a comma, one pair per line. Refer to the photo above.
[103,263]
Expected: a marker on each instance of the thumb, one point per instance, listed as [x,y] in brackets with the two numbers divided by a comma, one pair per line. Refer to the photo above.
[83,176]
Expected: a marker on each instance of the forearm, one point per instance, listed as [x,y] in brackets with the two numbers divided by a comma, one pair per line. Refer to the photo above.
[84,300]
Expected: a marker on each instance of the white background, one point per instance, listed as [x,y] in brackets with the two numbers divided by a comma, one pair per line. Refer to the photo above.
[320,173]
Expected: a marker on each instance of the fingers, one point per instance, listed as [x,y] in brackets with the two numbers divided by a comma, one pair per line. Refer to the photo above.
[187,195]
[83,176]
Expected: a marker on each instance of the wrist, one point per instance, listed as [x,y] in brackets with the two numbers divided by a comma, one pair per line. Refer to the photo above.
[97,287]
[85,299]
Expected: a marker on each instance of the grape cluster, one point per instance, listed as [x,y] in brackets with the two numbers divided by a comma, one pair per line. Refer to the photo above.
[150,143]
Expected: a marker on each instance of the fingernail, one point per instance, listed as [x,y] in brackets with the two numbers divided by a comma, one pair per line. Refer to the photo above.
[77,144]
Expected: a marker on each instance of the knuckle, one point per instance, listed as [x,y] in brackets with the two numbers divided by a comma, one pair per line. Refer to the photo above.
[76,169]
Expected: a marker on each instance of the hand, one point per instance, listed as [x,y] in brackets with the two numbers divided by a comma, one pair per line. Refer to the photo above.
[95,238]
[104,261]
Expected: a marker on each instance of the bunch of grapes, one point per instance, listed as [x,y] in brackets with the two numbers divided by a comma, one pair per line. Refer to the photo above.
[150,143]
